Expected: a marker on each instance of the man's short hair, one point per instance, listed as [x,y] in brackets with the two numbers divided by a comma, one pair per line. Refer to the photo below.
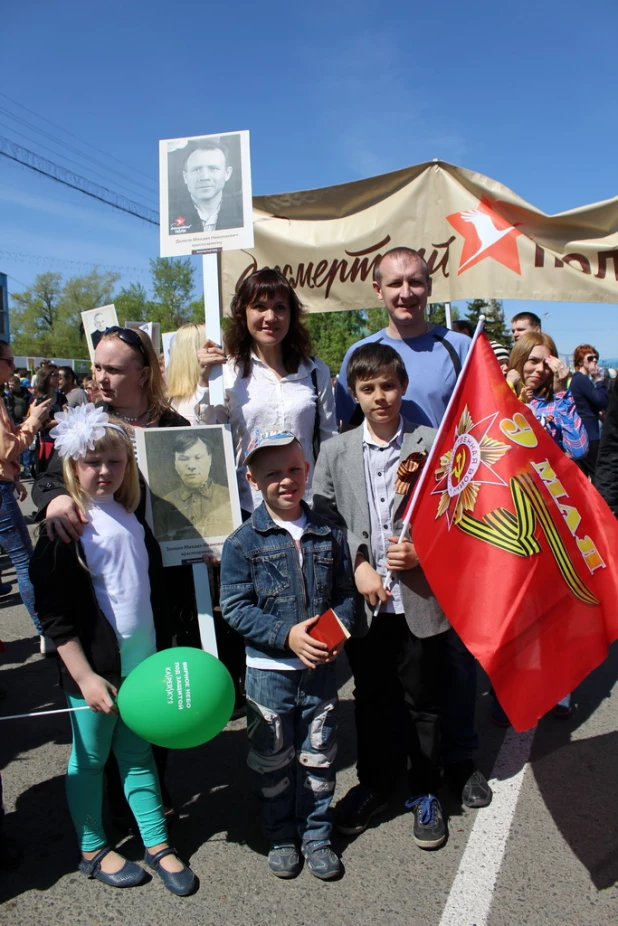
[463,326]
[372,359]
[399,254]
[69,372]
[211,145]
[527,317]
[186,439]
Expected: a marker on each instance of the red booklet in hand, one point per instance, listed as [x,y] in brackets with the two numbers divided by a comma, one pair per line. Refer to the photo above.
[329,629]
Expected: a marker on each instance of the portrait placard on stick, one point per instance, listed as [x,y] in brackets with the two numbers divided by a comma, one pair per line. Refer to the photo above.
[152,329]
[95,321]
[205,194]
[193,502]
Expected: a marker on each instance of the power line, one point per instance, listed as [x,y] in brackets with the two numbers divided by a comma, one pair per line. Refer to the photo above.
[66,132]
[70,160]
[39,259]
[14,152]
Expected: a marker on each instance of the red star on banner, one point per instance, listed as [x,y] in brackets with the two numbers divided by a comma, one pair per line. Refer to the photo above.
[486,234]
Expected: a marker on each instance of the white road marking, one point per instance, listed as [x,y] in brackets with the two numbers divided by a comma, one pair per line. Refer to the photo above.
[471,894]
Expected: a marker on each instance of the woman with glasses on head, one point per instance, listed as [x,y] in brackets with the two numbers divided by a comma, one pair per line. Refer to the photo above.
[14,439]
[589,389]
[131,388]
[271,381]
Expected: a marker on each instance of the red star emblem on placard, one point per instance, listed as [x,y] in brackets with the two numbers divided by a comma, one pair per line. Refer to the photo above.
[486,234]
[179,221]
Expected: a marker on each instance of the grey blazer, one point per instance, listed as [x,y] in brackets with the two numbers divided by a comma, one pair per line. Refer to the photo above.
[340,494]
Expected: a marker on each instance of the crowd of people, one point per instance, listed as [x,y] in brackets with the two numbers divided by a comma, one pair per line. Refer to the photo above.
[318,473]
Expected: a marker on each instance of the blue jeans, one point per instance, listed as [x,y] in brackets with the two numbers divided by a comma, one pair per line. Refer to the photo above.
[15,540]
[95,735]
[292,728]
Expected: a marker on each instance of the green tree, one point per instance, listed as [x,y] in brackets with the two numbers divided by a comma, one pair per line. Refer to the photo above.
[495,327]
[173,284]
[34,315]
[133,305]
[332,333]
[80,294]
[377,318]
[436,313]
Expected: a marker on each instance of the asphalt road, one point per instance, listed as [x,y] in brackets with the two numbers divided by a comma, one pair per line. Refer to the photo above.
[545,852]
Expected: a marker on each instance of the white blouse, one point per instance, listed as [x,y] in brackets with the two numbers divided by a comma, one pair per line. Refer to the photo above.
[261,400]
[195,408]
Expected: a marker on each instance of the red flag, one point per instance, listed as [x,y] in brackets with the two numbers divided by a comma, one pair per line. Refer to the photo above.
[517,545]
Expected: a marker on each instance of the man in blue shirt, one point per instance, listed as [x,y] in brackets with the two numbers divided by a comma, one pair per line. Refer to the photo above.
[433,355]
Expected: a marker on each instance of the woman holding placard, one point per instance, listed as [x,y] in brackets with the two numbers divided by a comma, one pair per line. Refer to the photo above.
[271,381]
[131,387]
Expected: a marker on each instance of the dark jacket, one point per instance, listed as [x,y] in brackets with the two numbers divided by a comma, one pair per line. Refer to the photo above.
[590,399]
[17,403]
[606,473]
[185,220]
[51,483]
[67,607]
[264,589]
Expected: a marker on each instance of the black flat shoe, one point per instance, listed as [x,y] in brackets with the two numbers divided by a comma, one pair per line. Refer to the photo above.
[130,875]
[182,882]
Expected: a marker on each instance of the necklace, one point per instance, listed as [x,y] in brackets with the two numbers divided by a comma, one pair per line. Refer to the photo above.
[131,420]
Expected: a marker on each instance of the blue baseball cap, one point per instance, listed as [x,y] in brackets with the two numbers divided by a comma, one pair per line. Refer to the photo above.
[262,439]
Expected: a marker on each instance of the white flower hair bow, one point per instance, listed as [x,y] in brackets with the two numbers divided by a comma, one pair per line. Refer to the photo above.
[78,428]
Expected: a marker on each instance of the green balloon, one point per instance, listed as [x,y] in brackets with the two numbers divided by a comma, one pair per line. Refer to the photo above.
[178,698]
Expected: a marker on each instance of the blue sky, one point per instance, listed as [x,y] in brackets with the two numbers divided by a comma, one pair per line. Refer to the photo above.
[331,92]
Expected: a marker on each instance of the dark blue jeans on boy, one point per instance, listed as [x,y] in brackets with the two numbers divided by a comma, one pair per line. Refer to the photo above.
[292,728]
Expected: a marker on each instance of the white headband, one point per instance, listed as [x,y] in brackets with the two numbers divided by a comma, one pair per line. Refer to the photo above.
[78,428]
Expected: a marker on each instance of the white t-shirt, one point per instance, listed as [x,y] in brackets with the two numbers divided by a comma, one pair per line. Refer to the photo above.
[117,558]
[286,663]
[261,400]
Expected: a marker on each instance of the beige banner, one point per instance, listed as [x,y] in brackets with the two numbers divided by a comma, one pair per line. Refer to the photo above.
[479,238]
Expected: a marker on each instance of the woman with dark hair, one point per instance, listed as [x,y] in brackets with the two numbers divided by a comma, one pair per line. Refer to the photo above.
[271,381]
[589,390]
[46,387]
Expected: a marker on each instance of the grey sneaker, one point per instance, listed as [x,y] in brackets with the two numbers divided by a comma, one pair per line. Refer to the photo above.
[284,861]
[322,862]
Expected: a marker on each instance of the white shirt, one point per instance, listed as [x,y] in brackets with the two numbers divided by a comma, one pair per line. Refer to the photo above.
[117,558]
[285,663]
[195,408]
[381,463]
[261,400]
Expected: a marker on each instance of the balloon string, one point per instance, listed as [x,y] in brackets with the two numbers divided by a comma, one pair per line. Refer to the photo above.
[63,710]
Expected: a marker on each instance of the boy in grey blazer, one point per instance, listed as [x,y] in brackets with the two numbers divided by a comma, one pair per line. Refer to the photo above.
[400,662]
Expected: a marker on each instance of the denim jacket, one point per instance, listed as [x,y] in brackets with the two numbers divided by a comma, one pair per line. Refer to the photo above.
[264,590]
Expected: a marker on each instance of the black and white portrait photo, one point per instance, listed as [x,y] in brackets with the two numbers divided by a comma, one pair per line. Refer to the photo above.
[193,494]
[95,321]
[205,194]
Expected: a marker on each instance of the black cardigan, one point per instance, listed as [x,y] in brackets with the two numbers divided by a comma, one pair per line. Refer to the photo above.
[67,607]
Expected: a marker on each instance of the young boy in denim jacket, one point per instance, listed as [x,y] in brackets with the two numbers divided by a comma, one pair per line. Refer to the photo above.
[279,571]
[404,650]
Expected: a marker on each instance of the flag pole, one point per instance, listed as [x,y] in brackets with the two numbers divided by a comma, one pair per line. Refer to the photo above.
[423,476]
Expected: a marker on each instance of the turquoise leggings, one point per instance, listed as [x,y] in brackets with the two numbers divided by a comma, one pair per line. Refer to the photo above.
[95,735]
